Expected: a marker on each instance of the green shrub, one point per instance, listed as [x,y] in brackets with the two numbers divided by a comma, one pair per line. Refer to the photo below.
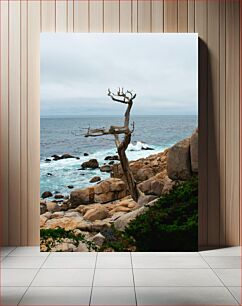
[171,224]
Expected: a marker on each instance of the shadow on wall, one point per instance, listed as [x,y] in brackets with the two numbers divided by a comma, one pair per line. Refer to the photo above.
[209,157]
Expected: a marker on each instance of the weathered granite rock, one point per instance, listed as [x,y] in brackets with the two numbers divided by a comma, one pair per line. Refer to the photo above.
[91,164]
[98,212]
[46,194]
[43,208]
[82,196]
[98,239]
[52,206]
[125,219]
[114,157]
[144,200]
[179,161]
[194,151]
[153,186]
[106,168]
[109,190]
[95,179]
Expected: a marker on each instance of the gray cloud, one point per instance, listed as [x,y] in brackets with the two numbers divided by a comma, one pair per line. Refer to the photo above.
[77,69]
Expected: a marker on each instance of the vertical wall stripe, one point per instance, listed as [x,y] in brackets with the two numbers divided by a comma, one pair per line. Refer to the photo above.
[81,16]
[96,16]
[171,15]
[111,16]
[232,121]
[222,121]
[70,16]
[201,28]
[213,123]
[183,16]
[33,121]
[125,16]
[48,16]
[191,16]
[14,122]
[157,16]
[24,123]
[4,114]
[61,16]
[144,16]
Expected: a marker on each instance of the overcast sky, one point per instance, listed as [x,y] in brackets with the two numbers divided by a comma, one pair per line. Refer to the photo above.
[77,69]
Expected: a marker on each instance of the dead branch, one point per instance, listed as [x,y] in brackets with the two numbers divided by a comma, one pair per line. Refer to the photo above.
[125,98]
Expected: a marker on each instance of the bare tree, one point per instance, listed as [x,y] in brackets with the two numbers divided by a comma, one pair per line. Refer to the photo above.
[125,98]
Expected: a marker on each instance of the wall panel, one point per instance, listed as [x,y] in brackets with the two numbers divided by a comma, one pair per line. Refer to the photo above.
[201,28]
[4,152]
[14,121]
[232,121]
[217,23]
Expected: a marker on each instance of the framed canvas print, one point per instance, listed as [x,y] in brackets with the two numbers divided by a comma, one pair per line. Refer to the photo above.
[119,142]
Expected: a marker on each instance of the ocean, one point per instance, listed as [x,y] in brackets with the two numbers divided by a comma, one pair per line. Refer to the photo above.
[66,135]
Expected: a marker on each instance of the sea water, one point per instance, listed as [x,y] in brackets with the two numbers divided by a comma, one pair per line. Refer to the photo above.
[61,135]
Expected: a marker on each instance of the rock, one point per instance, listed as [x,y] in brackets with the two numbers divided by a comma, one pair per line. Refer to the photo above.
[82,196]
[91,164]
[48,160]
[95,179]
[43,220]
[64,247]
[68,223]
[43,208]
[109,190]
[82,247]
[52,207]
[56,157]
[152,187]
[70,186]
[114,157]
[144,200]
[96,213]
[47,215]
[125,219]
[86,154]
[120,209]
[49,174]
[194,151]
[66,155]
[111,162]
[57,214]
[98,239]
[178,161]
[58,196]
[56,192]
[64,207]
[46,194]
[77,157]
[106,168]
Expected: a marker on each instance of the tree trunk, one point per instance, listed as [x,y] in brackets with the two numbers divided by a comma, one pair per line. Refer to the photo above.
[131,183]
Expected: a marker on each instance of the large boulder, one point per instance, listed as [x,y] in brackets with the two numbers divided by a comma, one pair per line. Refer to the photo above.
[152,187]
[98,212]
[109,190]
[82,196]
[91,164]
[121,223]
[194,151]
[179,161]
[46,194]
[52,206]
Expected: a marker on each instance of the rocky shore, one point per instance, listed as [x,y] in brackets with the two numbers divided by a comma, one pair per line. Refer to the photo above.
[107,203]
